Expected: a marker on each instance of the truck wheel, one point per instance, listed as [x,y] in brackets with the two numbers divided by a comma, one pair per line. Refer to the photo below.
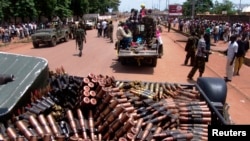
[160,51]
[154,62]
[66,38]
[214,88]
[35,45]
[53,42]
[123,61]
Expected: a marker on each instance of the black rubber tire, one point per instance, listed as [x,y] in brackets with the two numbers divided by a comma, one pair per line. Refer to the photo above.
[35,45]
[160,51]
[123,61]
[66,38]
[154,62]
[214,88]
[53,42]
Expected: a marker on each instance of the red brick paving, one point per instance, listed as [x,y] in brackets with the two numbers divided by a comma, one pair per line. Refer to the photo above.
[171,69]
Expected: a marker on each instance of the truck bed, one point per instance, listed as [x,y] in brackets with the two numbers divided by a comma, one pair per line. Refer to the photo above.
[140,53]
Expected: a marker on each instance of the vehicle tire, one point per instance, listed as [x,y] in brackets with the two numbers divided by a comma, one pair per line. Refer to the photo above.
[214,88]
[35,45]
[160,51]
[66,38]
[53,42]
[123,61]
[154,62]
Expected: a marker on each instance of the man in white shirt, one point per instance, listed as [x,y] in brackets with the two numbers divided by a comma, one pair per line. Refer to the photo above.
[231,53]
[104,28]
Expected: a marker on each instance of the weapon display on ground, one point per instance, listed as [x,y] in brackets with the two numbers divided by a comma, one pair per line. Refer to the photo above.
[98,107]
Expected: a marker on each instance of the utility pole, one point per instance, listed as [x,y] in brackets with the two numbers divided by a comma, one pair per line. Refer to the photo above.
[193,8]
[159,5]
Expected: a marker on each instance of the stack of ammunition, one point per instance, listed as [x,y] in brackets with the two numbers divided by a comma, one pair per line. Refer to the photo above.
[98,107]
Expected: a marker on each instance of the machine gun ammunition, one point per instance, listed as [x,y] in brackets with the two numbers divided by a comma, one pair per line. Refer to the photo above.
[20,138]
[86,93]
[194,125]
[115,125]
[91,125]
[33,110]
[12,134]
[72,123]
[106,111]
[194,108]
[102,91]
[196,113]
[91,85]
[49,100]
[53,126]
[143,94]
[86,80]
[93,101]
[102,105]
[47,137]
[130,136]
[82,123]
[157,119]
[33,138]
[85,101]
[146,131]
[23,129]
[167,133]
[92,93]
[60,138]
[128,125]
[44,103]
[186,136]
[110,118]
[192,103]
[157,131]
[195,119]
[39,106]
[122,139]
[33,121]
[187,94]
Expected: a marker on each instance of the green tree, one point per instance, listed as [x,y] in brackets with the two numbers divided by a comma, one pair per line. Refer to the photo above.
[62,8]
[225,6]
[200,6]
[45,8]
[35,9]
[50,8]
[24,9]
[4,6]
[79,7]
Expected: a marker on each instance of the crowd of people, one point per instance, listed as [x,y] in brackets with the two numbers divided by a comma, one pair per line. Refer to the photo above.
[203,33]
[105,28]
[11,31]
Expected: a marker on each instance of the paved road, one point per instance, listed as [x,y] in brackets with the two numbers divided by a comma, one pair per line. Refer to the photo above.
[99,57]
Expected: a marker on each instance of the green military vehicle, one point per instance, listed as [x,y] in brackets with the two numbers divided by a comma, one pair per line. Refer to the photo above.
[50,36]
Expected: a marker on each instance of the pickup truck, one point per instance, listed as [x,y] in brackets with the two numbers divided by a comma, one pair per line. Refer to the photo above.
[50,36]
[143,50]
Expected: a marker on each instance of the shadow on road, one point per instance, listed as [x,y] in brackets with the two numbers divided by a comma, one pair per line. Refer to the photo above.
[131,68]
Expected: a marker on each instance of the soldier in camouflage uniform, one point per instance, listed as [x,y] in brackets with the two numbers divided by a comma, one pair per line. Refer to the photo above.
[190,48]
[73,28]
[80,37]
[150,26]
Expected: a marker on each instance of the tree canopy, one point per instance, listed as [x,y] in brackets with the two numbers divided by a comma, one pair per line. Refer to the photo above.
[202,6]
[35,9]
